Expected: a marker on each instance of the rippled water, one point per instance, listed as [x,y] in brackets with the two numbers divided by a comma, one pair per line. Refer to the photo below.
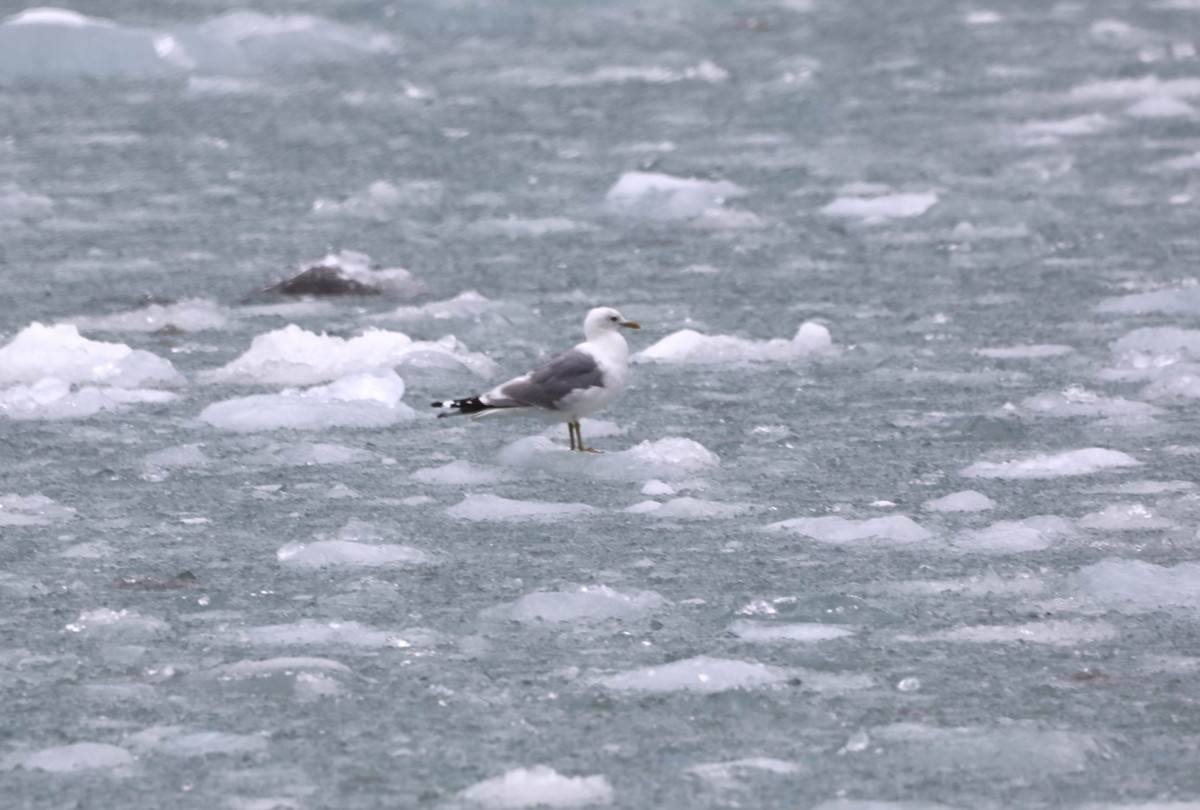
[946,559]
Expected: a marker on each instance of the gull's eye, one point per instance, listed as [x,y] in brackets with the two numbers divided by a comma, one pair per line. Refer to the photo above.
[613,318]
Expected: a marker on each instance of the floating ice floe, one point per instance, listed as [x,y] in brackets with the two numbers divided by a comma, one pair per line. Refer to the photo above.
[306,632]
[875,205]
[688,508]
[330,553]
[1057,632]
[582,604]
[122,623]
[1014,536]
[191,315]
[668,458]
[1126,517]
[968,500]
[1182,300]
[701,674]
[691,347]
[893,529]
[727,775]
[539,786]
[60,352]
[989,583]
[54,41]
[1128,89]
[178,742]
[357,400]
[1035,351]
[493,507]
[794,632]
[516,228]
[31,510]
[52,398]
[293,356]
[1087,461]
[78,756]
[262,668]
[1134,586]
[346,273]
[171,458]
[380,201]
[469,304]
[664,197]
[1020,749]
[704,71]
[1160,340]
[458,473]
[1076,401]
[306,454]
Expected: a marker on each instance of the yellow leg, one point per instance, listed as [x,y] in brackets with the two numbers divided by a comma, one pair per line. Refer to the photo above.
[579,433]
[571,434]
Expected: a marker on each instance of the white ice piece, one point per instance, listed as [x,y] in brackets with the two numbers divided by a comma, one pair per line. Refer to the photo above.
[701,674]
[968,500]
[59,351]
[492,507]
[661,196]
[1086,461]
[691,347]
[539,786]
[893,529]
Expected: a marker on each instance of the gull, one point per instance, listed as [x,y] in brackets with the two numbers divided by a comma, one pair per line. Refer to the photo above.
[568,386]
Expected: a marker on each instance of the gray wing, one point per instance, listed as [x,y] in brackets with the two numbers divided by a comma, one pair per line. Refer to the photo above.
[548,384]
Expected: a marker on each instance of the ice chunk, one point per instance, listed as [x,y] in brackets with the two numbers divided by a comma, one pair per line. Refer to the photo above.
[1126,517]
[1076,401]
[966,501]
[671,457]
[1072,462]
[380,201]
[897,529]
[1014,536]
[186,455]
[1160,340]
[881,207]
[305,454]
[725,775]
[687,508]
[1182,300]
[1021,750]
[690,346]
[1058,632]
[515,228]
[274,666]
[656,487]
[31,510]
[493,507]
[356,400]
[1146,87]
[1134,586]
[701,674]
[78,756]
[661,196]
[306,632]
[178,742]
[293,356]
[59,351]
[52,398]
[327,553]
[1035,351]
[457,473]
[117,623]
[346,273]
[585,603]
[191,315]
[466,305]
[55,41]
[287,38]
[780,632]
[539,786]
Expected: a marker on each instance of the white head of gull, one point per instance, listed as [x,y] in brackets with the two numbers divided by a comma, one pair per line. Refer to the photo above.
[568,386]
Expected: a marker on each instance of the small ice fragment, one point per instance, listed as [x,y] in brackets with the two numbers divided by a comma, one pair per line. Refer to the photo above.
[858,742]
[909,684]
[539,786]
[968,500]
[1073,462]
